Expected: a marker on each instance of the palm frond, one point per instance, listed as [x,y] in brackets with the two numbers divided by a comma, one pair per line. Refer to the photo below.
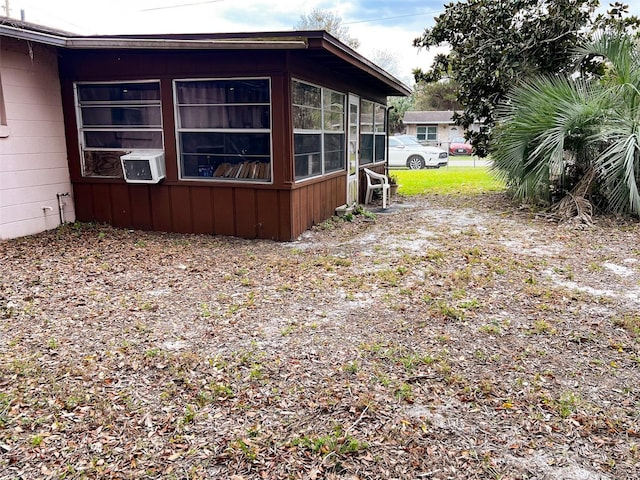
[539,117]
[553,125]
[618,167]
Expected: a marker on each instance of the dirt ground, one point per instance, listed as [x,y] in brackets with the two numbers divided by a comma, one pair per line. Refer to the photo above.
[453,338]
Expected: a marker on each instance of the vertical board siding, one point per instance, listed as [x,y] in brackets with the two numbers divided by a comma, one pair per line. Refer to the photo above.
[160,208]
[315,202]
[83,195]
[202,210]
[121,206]
[285,210]
[245,213]
[241,211]
[181,209]
[223,211]
[269,214]
[102,203]
[140,207]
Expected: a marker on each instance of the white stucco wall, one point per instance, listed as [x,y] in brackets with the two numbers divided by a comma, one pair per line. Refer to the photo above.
[33,154]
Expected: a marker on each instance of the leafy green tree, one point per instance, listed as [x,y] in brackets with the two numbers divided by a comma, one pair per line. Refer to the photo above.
[616,19]
[441,95]
[319,19]
[400,106]
[496,43]
[576,138]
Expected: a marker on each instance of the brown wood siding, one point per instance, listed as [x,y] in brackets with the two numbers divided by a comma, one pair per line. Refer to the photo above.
[202,210]
[141,217]
[223,211]
[121,206]
[160,208]
[181,209]
[102,203]
[314,202]
[268,214]
[83,199]
[242,212]
[245,218]
[285,210]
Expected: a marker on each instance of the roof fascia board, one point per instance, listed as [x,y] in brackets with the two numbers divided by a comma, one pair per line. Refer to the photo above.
[346,53]
[327,42]
[155,43]
[428,122]
[30,35]
[162,44]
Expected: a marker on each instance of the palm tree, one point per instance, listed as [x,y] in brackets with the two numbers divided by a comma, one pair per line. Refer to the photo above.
[576,137]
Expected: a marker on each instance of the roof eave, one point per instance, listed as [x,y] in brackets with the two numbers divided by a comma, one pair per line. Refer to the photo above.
[372,68]
[32,36]
[257,41]
[168,44]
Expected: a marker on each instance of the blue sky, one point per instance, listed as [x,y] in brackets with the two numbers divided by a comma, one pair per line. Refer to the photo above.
[384,25]
[388,25]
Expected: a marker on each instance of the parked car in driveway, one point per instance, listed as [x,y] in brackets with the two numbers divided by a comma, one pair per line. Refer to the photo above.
[405,151]
[459,146]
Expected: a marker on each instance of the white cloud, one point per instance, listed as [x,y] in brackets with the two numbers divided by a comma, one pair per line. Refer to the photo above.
[394,35]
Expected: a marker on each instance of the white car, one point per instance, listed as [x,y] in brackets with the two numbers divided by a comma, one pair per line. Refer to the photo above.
[405,151]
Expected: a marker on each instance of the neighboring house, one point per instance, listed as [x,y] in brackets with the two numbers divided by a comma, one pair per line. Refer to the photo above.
[256,135]
[433,127]
[35,188]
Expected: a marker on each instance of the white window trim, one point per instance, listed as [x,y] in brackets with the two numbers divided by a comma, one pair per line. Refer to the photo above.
[426,132]
[81,129]
[179,129]
[374,133]
[320,132]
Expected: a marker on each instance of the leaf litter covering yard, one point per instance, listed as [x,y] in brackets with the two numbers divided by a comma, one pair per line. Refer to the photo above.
[457,338]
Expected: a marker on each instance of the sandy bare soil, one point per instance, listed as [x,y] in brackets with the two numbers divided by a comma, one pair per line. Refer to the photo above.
[453,338]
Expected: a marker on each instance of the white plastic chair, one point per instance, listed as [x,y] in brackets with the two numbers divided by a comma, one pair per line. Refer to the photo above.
[376,181]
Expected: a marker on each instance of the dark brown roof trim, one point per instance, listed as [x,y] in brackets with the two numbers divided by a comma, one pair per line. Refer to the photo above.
[313,39]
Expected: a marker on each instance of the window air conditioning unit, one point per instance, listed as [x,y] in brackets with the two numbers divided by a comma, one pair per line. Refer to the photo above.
[143,166]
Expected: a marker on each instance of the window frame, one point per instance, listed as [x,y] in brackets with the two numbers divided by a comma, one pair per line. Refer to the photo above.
[179,129]
[378,129]
[323,132]
[427,132]
[82,129]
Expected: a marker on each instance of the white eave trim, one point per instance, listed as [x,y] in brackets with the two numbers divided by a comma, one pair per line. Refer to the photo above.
[22,34]
[154,43]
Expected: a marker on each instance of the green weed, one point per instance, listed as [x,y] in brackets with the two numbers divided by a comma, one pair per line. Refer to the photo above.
[335,442]
[631,323]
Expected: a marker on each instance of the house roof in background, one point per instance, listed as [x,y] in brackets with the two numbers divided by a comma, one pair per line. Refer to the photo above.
[435,116]
[319,45]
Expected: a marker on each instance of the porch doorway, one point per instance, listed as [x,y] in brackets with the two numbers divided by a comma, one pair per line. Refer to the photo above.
[353,145]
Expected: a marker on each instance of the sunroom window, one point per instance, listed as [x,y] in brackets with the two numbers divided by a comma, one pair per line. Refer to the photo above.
[114,119]
[224,129]
[318,130]
[372,132]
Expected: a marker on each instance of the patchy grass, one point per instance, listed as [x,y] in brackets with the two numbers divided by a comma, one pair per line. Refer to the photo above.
[448,181]
[476,342]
